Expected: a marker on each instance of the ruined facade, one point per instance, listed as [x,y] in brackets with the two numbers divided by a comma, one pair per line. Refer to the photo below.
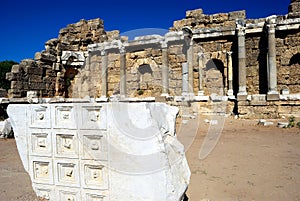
[251,63]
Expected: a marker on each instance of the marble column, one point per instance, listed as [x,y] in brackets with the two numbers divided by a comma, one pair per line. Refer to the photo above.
[165,70]
[272,69]
[57,84]
[104,74]
[230,76]
[200,70]
[185,79]
[123,92]
[242,93]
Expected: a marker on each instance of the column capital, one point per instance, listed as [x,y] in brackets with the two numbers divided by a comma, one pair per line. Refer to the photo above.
[164,44]
[271,28]
[122,49]
[229,53]
[240,27]
[271,19]
[103,52]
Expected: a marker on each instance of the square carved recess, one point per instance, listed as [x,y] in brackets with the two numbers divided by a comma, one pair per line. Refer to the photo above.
[94,174]
[40,116]
[66,144]
[67,173]
[65,117]
[69,194]
[94,145]
[95,195]
[40,143]
[44,191]
[93,117]
[41,170]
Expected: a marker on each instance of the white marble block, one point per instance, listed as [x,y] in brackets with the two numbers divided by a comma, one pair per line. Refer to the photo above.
[101,151]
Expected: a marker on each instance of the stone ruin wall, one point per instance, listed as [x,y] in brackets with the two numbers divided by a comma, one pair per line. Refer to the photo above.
[143,73]
[39,74]
[288,61]
[215,39]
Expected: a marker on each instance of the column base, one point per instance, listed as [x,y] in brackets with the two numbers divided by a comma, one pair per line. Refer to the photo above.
[230,92]
[273,96]
[102,99]
[188,96]
[201,93]
[242,96]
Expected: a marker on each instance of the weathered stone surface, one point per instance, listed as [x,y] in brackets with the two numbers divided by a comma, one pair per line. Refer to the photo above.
[194,13]
[237,15]
[113,151]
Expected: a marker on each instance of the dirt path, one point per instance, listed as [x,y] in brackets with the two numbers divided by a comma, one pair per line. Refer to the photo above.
[15,184]
[249,162]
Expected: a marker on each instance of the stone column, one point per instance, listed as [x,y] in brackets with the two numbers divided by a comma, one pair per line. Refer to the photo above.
[57,84]
[200,69]
[123,92]
[165,70]
[185,79]
[272,69]
[242,93]
[190,62]
[230,76]
[104,74]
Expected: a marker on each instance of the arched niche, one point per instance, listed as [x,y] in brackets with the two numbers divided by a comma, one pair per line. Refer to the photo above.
[72,62]
[214,77]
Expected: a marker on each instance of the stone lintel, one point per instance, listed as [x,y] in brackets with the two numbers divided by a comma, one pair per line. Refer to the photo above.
[78,57]
[254,30]
[288,27]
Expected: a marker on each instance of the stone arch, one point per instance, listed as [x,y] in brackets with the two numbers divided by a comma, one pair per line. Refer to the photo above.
[72,62]
[215,77]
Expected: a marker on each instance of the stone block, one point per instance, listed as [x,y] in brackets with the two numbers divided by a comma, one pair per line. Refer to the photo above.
[241,97]
[101,151]
[28,62]
[194,13]
[237,15]
[13,76]
[33,70]
[258,99]
[272,97]
[47,57]
[15,68]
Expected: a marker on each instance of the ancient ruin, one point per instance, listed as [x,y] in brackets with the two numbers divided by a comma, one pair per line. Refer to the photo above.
[101,151]
[253,64]
[97,128]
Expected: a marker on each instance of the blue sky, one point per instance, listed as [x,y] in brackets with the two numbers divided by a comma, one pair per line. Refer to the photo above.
[26,25]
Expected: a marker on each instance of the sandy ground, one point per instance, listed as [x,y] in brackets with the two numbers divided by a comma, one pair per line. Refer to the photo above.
[249,162]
